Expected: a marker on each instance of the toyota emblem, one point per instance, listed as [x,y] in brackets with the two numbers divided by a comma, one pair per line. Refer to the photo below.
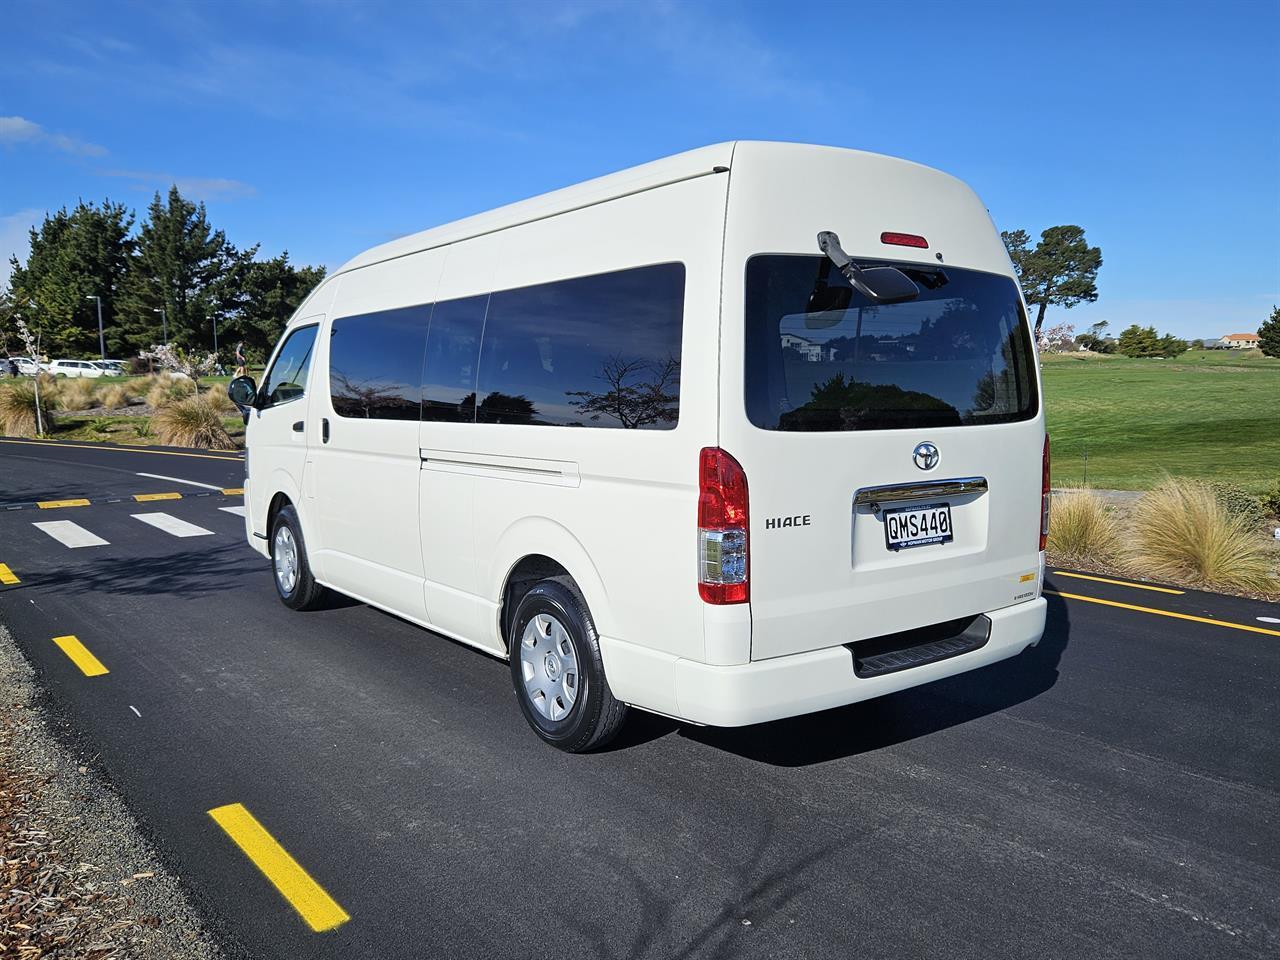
[926,456]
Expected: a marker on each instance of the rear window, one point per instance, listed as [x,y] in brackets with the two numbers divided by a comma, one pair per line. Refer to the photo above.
[822,357]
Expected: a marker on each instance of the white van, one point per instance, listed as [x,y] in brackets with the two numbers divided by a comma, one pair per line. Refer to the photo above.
[740,434]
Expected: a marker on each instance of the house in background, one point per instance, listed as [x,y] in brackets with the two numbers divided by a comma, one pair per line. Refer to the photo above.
[1241,341]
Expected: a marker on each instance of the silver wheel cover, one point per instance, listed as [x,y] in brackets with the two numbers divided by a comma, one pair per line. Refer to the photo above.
[549,667]
[284,555]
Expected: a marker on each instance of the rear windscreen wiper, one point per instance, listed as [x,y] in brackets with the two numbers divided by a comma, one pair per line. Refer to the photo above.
[881,284]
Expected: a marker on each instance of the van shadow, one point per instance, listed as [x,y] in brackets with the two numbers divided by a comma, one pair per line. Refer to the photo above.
[899,717]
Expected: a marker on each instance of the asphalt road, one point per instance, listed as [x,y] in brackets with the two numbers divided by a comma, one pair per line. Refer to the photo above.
[1110,793]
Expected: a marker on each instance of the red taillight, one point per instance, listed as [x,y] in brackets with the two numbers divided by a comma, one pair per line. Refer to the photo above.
[1044,495]
[722,528]
[904,240]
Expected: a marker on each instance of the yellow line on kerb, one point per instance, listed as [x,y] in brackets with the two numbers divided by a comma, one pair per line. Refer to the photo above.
[314,905]
[233,491]
[1118,583]
[146,497]
[1166,613]
[98,446]
[54,504]
[7,576]
[89,665]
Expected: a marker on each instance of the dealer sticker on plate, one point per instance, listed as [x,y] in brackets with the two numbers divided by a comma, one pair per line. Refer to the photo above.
[917,526]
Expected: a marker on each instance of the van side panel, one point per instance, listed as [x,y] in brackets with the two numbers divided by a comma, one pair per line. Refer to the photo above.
[616,507]
[365,494]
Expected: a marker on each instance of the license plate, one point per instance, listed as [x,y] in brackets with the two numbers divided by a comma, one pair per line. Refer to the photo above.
[917,526]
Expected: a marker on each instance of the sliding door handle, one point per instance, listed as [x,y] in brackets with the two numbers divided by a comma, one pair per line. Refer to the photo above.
[324,429]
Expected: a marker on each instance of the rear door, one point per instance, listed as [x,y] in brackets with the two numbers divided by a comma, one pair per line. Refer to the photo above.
[893,453]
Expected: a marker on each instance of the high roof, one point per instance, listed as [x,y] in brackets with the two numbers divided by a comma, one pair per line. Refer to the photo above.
[682,166]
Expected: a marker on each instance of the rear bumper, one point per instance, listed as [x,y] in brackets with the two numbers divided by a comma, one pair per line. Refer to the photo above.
[804,683]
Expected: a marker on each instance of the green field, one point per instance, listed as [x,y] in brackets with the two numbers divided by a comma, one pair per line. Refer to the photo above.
[1208,413]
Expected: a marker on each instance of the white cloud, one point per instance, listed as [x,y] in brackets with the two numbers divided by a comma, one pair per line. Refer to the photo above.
[15,238]
[198,188]
[19,131]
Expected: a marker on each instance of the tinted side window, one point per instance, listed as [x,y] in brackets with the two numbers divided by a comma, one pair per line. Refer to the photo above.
[453,350]
[375,364]
[600,351]
[288,377]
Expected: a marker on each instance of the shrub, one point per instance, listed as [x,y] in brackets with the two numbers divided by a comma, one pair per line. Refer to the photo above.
[1271,502]
[191,422]
[115,396]
[218,399]
[77,394]
[137,367]
[1181,531]
[101,425]
[1238,502]
[1081,526]
[18,409]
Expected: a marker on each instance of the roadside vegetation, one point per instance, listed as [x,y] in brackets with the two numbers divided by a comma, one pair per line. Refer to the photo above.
[1193,533]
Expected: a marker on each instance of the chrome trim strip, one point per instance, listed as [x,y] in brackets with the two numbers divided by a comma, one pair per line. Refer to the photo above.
[928,490]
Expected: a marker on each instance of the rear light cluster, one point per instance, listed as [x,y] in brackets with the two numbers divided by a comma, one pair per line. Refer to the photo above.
[1044,495]
[723,553]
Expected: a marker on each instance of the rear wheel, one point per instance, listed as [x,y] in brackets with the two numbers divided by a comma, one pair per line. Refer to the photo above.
[292,573]
[557,670]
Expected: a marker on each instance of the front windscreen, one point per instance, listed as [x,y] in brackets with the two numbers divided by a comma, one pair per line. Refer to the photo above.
[820,356]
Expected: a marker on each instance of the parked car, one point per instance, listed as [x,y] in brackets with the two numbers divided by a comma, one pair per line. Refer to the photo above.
[26,366]
[532,431]
[76,368]
[112,368]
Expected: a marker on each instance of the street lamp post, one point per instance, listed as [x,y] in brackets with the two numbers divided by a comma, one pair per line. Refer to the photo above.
[164,323]
[215,336]
[102,343]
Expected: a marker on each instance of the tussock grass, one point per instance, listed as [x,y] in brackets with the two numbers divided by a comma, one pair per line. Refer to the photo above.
[191,422]
[77,394]
[218,399]
[18,409]
[1182,531]
[115,396]
[1081,527]
[165,390]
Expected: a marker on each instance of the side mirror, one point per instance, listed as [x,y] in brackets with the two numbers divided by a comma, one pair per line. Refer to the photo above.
[243,393]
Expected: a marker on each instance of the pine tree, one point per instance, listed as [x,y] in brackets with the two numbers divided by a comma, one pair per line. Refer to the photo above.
[1269,334]
[74,256]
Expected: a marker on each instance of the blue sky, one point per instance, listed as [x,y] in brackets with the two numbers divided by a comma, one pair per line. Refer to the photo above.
[325,127]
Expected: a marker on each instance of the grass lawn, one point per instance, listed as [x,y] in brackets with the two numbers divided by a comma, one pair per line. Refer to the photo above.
[1213,414]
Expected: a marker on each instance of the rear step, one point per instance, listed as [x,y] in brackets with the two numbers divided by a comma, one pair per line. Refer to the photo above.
[877,656]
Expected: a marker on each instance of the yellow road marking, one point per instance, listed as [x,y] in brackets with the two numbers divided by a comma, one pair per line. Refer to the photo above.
[95,446]
[54,504]
[1118,583]
[233,491]
[144,497]
[1166,613]
[89,665]
[6,576]
[314,905]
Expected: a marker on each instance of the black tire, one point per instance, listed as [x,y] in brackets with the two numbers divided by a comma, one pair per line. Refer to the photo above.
[595,716]
[305,593]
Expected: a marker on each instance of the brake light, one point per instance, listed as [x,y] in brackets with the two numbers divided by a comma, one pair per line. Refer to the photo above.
[904,240]
[722,528]
[1044,495]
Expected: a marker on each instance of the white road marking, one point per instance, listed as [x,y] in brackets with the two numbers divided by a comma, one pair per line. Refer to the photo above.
[1269,619]
[172,525]
[135,710]
[190,483]
[238,511]
[70,534]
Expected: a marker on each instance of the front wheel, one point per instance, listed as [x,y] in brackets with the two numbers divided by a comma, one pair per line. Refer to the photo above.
[557,670]
[292,573]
